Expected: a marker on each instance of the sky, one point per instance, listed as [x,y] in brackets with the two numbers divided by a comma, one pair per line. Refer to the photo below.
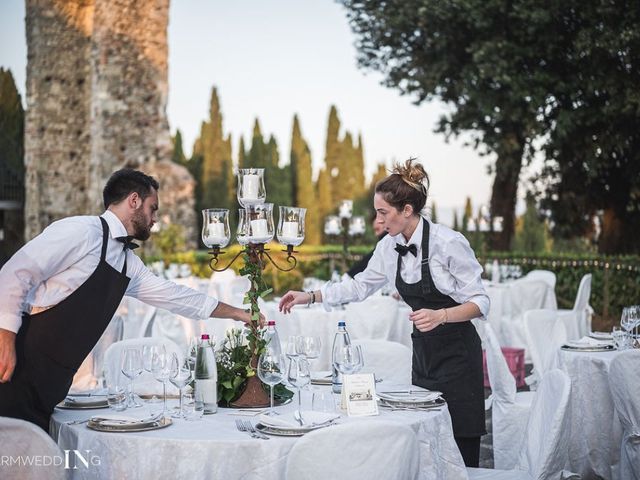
[274,59]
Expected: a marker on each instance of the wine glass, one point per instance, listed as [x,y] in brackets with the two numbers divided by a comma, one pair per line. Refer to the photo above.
[147,354]
[192,352]
[180,377]
[271,371]
[348,359]
[308,346]
[291,350]
[161,370]
[298,377]
[131,367]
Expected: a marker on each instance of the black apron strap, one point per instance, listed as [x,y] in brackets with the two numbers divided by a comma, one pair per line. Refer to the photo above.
[105,239]
[426,282]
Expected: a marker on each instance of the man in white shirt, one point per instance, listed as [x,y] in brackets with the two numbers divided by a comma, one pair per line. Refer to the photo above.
[59,292]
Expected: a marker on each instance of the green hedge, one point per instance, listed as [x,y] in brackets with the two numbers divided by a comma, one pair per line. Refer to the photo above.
[615,282]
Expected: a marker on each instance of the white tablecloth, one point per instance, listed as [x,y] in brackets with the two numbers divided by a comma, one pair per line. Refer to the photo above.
[316,321]
[596,432]
[214,448]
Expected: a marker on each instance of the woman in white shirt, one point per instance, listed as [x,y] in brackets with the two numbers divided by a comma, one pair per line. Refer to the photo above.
[436,272]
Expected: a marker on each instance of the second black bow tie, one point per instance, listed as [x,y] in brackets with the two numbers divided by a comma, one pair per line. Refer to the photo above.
[402,250]
[127,242]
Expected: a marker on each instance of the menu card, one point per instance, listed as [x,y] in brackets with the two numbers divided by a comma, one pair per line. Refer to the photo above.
[359,395]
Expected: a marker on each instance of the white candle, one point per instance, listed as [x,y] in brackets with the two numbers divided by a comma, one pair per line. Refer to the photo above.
[250,185]
[290,229]
[259,228]
[216,235]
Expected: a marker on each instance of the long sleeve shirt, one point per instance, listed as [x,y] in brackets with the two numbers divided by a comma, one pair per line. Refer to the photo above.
[453,265]
[55,263]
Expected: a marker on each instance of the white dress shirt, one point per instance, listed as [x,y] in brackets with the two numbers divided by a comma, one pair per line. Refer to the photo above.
[55,263]
[453,265]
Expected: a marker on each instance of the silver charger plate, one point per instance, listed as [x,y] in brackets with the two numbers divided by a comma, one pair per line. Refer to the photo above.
[589,348]
[286,432]
[437,403]
[143,427]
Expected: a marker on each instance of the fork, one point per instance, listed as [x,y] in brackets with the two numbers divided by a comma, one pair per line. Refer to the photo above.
[249,426]
[242,427]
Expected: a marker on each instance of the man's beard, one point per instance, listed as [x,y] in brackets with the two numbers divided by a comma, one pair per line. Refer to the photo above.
[141,230]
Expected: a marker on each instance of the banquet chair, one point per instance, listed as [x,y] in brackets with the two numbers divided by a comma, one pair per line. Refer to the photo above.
[25,441]
[373,318]
[545,275]
[390,361]
[577,321]
[545,334]
[380,449]
[89,374]
[523,295]
[509,409]
[624,378]
[144,384]
[543,453]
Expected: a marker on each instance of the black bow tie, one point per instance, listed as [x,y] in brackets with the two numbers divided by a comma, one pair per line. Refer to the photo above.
[128,244]
[402,250]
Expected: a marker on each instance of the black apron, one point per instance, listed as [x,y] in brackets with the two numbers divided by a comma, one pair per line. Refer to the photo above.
[449,357]
[51,345]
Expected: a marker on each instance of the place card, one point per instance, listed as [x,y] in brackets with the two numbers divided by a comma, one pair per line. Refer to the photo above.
[359,395]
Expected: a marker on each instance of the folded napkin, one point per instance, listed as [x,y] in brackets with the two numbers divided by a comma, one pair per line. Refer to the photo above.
[288,420]
[587,342]
[410,396]
[118,419]
[96,392]
[601,335]
[96,401]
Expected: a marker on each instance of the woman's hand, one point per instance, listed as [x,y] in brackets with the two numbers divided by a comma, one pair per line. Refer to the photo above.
[426,320]
[292,298]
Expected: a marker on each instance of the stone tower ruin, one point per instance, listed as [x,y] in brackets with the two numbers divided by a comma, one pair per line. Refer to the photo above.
[96,102]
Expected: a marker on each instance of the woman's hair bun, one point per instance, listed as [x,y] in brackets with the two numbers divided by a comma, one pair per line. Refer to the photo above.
[413,174]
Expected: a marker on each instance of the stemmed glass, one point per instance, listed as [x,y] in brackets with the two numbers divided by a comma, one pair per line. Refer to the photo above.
[192,352]
[148,351]
[180,376]
[291,350]
[629,320]
[161,370]
[308,346]
[348,359]
[271,371]
[131,366]
[298,377]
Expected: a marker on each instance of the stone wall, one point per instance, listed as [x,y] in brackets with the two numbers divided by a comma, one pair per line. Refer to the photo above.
[96,102]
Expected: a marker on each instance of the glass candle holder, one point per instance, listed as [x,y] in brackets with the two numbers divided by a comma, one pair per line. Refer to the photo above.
[260,221]
[251,190]
[332,225]
[345,210]
[357,226]
[291,225]
[215,227]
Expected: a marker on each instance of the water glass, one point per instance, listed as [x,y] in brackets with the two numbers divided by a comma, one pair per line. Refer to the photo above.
[180,377]
[619,337]
[117,398]
[323,401]
[131,366]
[348,359]
[193,410]
[271,367]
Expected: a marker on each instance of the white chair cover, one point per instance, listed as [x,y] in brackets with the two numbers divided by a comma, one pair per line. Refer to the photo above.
[545,275]
[545,335]
[547,441]
[523,295]
[509,409]
[624,378]
[26,442]
[145,384]
[543,452]
[390,361]
[377,449]
[138,317]
[374,318]
[228,287]
[578,320]
[89,374]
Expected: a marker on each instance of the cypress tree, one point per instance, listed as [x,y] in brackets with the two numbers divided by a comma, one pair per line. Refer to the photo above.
[302,188]
[241,154]
[380,174]
[530,234]
[434,213]
[466,216]
[177,155]
[11,124]
[257,155]
[456,227]
[325,204]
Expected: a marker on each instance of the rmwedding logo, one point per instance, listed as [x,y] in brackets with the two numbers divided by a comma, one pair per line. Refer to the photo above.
[72,460]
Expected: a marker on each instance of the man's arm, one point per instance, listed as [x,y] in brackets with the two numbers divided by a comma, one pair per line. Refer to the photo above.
[7,354]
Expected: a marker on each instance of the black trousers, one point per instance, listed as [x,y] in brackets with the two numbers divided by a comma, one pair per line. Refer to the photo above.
[470,450]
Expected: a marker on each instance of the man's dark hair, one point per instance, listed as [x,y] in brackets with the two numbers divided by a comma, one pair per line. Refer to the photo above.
[126,181]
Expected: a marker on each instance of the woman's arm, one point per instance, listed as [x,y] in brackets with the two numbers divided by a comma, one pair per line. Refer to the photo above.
[426,319]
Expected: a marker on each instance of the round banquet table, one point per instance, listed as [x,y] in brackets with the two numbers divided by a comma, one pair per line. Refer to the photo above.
[214,448]
[595,431]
